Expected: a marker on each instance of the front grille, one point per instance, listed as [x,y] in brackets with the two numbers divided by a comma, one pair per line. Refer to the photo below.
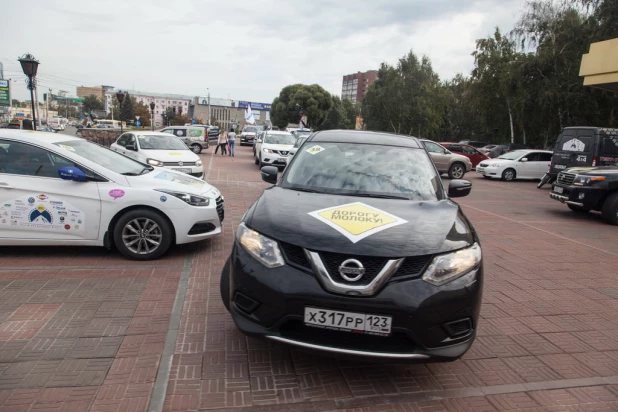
[175,164]
[295,256]
[197,174]
[372,266]
[566,178]
[397,342]
[220,208]
[282,152]
[412,267]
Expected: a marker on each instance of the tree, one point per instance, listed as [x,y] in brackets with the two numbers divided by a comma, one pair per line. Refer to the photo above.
[143,112]
[127,111]
[91,103]
[15,103]
[341,115]
[313,100]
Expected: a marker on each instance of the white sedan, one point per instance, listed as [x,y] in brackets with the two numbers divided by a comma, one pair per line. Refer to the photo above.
[161,150]
[518,164]
[61,190]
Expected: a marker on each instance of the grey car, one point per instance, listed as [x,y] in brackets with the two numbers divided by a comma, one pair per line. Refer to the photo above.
[195,137]
[447,162]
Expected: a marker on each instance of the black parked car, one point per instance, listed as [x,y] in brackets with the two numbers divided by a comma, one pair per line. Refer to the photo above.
[358,251]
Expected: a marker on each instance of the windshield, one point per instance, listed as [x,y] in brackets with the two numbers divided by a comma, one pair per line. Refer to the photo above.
[105,157]
[251,129]
[287,138]
[511,155]
[364,170]
[300,141]
[161,142]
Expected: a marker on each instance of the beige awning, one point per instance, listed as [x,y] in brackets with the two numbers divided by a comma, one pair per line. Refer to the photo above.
[599,67]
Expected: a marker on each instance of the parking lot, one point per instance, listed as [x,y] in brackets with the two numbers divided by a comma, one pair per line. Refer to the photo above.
[85,329]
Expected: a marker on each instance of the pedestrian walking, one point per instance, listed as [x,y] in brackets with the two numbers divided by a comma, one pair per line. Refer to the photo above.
[231,139]
[222,143]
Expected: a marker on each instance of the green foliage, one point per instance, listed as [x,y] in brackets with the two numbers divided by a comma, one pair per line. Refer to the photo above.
[127,109]
[312,99]
[91,103]
[143,111]
[341,115]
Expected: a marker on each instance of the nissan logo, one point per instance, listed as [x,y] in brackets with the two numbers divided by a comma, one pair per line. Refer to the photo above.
[351,270]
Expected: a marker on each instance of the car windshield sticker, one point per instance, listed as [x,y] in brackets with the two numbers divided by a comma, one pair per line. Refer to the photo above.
[180,178]
[40,212]
[357,220]
[174,153]
[65,147]
[574,145]
[195,133]
[116,193]
[315,149]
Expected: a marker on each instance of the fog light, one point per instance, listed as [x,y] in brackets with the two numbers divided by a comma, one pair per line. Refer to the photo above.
[581,196]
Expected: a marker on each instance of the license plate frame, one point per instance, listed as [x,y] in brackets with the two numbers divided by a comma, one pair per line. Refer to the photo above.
[344,321]
[558,189]
[183,170]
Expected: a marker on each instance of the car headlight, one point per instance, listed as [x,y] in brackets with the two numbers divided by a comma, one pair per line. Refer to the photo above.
[267,151]
[581,180]
[154,162]
[448,267]
[198,163]
[264,250]
[188,198]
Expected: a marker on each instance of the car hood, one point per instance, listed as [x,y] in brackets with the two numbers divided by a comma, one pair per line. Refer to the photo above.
[599,170]
[277,146]
[430,226]
[167,179]
[184,155]
[247,134]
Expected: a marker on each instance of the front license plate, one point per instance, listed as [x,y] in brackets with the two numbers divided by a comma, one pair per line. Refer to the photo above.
[560,166]
[348,321]
[182,170]
[558,189]
[283,160]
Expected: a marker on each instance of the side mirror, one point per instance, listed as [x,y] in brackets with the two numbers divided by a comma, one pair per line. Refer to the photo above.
[459,188]
[525,159]
[269,174]
[131,147]
[72,173]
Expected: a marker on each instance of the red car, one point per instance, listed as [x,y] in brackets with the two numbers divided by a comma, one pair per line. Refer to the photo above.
[470,152]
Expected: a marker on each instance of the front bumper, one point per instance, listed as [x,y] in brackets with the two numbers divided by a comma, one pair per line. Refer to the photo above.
[270,303]
[274,159]
[247,139]
[193,224]
[587,197]
[195,171]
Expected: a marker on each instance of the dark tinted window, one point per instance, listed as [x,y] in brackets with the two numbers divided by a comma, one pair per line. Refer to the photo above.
[455,148]
[122,140]
[360,169]
[26,160]
[532,157]
[545,157]
[610,145]
[469,150]
[570,143]
[180,132]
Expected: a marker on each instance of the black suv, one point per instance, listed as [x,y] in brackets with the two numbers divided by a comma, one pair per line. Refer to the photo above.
[358,251]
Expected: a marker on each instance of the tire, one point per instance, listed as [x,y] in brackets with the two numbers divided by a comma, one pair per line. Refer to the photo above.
[543,181]
[456,171]
[224,285]
[256,161]
[196,148]
[578,209]
[610,209]
[509,175]
[142,220]
[487,177]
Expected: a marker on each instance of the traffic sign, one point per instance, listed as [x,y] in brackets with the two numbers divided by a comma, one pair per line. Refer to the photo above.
[138,123]
[136,117]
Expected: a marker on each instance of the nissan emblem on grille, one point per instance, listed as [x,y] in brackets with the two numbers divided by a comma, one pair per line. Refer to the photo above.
[179,163]
[351,270]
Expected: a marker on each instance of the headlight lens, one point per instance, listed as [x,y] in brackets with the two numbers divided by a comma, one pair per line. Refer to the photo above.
[445,268]
[154,162]
[198,163]
[581,180]
[267,151]
[188,198]
[264,250]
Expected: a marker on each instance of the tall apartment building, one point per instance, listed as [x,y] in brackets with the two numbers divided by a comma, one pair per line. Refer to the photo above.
[83,91]
[355,86]
[183,104]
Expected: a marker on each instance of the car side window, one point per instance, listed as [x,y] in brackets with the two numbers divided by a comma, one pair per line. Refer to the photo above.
[545,157]
[180,132]
[532,157]
[167,131]
[122,140]
[469,150]
[455,148]
[27,160]
[433,147]
[131,140]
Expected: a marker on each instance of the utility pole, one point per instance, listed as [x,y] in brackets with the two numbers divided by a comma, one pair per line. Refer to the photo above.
[47,105]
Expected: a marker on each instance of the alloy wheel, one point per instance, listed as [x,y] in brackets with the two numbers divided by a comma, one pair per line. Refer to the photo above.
[142,236]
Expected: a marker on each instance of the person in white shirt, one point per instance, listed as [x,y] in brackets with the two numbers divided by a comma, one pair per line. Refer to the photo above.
[231,139]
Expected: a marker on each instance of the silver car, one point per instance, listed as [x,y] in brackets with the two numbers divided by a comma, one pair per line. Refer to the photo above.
[447,162]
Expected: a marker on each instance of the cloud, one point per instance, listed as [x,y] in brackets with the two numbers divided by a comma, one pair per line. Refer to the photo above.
[246,49]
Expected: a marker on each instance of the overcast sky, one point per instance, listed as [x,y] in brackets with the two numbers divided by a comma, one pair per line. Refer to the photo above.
[247,50]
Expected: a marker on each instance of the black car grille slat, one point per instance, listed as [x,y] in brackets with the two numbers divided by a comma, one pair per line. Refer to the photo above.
[413,266]
[175,164]
[220,208]
[295,255]
[372,265]
[566,178]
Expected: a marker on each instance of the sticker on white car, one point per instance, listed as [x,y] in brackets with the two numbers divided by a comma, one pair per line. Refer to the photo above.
[40,213]
[315,149]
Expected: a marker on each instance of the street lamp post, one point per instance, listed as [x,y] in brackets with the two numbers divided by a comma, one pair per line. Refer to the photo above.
[152,106]
[120,97]
[30,66]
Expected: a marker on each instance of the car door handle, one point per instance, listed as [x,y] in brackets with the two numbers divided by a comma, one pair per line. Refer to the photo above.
[5,186]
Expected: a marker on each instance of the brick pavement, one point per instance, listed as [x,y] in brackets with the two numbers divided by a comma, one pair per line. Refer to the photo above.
[84,329]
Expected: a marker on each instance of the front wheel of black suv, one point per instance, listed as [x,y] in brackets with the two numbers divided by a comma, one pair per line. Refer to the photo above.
[610,209]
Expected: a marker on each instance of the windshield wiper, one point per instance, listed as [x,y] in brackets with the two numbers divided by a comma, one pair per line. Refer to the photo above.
[376,196]
[144,170]
[302,189]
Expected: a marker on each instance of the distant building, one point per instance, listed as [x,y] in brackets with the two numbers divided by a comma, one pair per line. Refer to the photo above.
[230,113]
[97,91]
[355,86]
[182,104]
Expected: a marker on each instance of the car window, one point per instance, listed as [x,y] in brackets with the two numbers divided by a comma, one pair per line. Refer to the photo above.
[569,143]
[180,132]
[455,148]
[27,160]
[122,140]
[545,157]
[300,141]
[167,131]
[469,150]
[362,169]
[130,140]
[433,147]
[287,138]
[532,157]
[160,142]
[610,145]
